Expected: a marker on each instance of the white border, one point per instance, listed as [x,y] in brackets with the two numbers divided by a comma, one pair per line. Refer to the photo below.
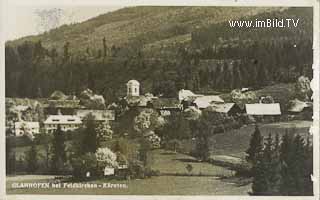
[61,3]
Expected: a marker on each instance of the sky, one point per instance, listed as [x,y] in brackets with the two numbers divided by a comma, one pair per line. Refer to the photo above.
[28,20]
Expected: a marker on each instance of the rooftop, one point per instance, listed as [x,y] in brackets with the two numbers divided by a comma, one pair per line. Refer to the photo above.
[206,101]
[63,119]
[263,109]
[99,115]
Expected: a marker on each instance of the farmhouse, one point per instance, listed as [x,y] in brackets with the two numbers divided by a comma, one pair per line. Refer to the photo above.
[23,127]
[206,101]
[99,115]
[297,106]
[187,94]
[66,107]
[231,109]
[165,106]
[261,109]
[300,109]
[66,122]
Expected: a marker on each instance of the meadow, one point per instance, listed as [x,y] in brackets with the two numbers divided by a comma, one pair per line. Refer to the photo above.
[175,179]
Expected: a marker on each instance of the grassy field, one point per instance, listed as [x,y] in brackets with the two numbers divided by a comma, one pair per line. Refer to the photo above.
[206,179]
[236,142]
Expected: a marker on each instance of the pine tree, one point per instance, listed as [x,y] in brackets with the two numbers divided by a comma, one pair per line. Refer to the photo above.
[286,160]
[58,151]
[104,47]
[298,170]
[260,172]
[308,166]
[256,146]
[275,175]
[32,158]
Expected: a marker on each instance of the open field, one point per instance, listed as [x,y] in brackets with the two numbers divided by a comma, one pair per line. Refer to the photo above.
[216,182]
[236,142]
[205,178]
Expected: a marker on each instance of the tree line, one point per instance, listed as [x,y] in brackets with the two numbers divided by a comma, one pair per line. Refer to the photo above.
[281,166]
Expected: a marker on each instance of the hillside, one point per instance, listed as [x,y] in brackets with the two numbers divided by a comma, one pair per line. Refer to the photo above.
[146,25]
[165,49]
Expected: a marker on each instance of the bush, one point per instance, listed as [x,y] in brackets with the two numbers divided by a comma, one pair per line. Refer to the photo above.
[137,169]
[82,164]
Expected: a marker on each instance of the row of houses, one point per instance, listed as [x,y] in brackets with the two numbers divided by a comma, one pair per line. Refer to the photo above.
[66,122]
[73,115]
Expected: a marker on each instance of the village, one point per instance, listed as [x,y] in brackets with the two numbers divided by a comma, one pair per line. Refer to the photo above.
[70,115]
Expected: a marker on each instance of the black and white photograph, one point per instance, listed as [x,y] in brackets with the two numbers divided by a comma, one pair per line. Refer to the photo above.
[160,100]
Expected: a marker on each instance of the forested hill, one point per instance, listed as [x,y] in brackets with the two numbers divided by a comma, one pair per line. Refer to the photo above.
[165,48]
[139,25]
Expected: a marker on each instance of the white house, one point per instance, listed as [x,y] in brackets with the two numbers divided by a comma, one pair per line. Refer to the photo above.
[133,88]
[206,101]
[186,94]
[263,109]
[24,127]
[66,122]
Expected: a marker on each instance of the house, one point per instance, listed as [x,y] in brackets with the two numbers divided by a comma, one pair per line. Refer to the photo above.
[66,122]
[187,94]
[231,109]
[300,109]
[165,106]
[297,106]
[99,115]
[23,127]
[261,109]
[206,101]
[66,107]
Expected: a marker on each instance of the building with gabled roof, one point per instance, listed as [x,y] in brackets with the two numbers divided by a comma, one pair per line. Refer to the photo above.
[227,108]
[66,122]
[99,115]
[261,109]
[206,101]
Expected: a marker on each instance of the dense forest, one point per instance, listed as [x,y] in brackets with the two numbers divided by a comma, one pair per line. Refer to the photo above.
[217,59]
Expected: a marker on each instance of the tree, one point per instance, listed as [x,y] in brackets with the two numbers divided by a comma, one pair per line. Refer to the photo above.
[84,163]
[145,147]
[66,53]
[105,157]
[32,158]
[202,129]
[58,151]
[10,158]
[256,146]
[104,47]
[296,167]
[104,132]
[46,140]
[89,141]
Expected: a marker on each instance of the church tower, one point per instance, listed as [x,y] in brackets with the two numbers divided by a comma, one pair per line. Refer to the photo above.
[133,88]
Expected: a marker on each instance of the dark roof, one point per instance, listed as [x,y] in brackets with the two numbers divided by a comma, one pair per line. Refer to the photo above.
[62,103]
[164,103]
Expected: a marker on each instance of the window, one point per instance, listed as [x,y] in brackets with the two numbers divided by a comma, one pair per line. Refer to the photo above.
[71,120]
[55,120]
